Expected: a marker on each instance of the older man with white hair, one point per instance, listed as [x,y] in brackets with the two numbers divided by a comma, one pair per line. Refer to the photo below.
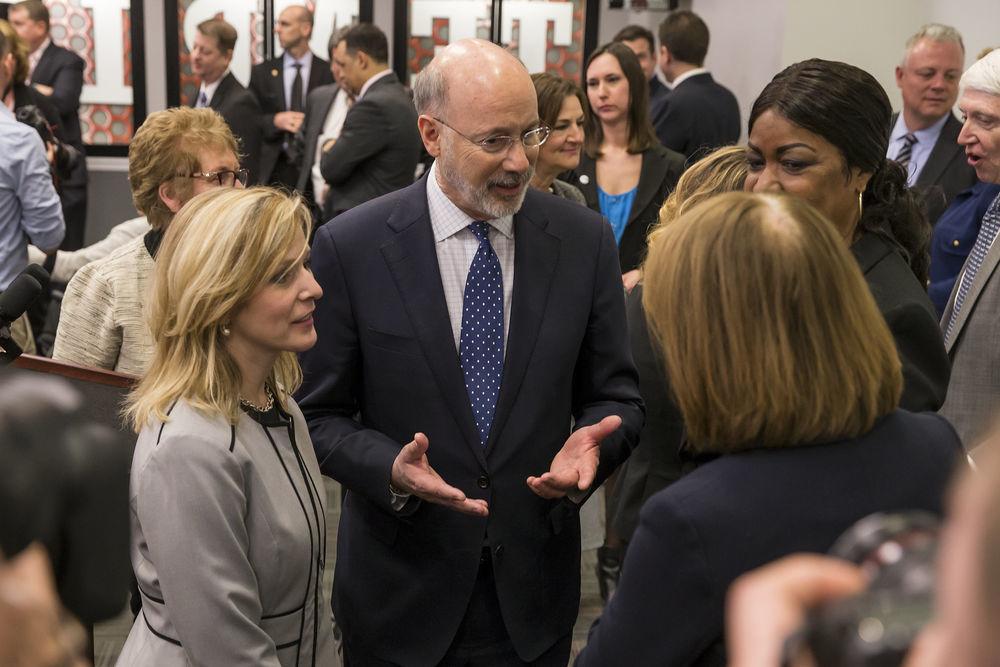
[970,318]
[468,323]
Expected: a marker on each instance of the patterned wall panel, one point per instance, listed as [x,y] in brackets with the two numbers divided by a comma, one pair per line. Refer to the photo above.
[563,32]
[107,114]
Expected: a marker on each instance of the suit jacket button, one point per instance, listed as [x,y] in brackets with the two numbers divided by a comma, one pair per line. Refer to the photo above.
[483,482]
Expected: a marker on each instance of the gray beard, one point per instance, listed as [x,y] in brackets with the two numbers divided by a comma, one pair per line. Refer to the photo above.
[482,199]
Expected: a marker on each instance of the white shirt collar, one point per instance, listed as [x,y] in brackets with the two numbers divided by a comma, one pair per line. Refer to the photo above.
[688,74]
[37,53]
[289,60]
[369,82]
[210,88]
[447,219]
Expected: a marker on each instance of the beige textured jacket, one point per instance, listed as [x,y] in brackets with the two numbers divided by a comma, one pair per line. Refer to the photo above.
[102,323]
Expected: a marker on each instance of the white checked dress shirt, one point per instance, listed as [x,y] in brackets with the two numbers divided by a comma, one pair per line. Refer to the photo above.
[456,245]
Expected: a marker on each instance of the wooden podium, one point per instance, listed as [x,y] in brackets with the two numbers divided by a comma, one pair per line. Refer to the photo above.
[104,390]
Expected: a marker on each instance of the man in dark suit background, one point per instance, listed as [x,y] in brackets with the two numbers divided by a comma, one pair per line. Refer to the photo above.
[475,319]
[57,73]
[326,110]
[379,146]
[924,136]
[641,41]
[213,50]
[281,85]
[698,115]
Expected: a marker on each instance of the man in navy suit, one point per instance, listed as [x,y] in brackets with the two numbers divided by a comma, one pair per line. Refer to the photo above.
[281,85]
[469,325]
[641,41]
[698,115]
[57,73]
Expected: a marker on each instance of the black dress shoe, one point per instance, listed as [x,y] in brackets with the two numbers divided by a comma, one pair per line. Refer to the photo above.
[608,570]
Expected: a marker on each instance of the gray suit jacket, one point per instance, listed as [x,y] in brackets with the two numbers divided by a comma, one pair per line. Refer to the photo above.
[318,104]
[974,390]
[228,543]
[378,148]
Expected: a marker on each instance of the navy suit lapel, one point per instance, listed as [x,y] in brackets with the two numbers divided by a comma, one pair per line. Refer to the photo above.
[536,254]
[944,151]
[219,96]
[412,260]
[41,72]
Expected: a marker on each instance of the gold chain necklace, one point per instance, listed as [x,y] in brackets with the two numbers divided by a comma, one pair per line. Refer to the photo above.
[260,408]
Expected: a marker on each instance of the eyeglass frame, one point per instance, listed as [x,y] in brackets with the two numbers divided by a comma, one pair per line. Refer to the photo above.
[509,140]
[242,175]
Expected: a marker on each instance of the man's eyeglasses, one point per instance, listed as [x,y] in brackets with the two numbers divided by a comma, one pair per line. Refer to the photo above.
[500,143]
[226,178]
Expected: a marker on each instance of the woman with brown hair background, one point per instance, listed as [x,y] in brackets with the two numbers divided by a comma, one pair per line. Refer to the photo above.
[783,368]
[624,173]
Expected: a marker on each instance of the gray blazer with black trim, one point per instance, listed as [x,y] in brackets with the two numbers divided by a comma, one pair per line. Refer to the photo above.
[228,543]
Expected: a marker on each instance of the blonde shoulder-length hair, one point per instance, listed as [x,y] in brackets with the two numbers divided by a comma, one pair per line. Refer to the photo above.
[220,249]
[770,335]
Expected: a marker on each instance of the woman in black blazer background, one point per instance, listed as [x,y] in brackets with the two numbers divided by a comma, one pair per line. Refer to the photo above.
[785,371]
[624,173]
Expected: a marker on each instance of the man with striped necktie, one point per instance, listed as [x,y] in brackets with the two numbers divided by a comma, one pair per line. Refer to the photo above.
[970,318]
[924,135]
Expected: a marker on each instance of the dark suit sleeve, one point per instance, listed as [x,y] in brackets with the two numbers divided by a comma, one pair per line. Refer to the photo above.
[68,83]
[671,127]
[926,369]
[257,86]
[605,381]
[364,134]
[243,119]
[666,610]
[359,458]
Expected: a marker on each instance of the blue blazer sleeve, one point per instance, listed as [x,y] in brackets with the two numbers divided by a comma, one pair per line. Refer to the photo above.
[360,458]
[666,608]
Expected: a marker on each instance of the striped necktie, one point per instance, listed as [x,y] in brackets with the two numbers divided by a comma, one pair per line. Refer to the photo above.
[906,152]
[202,101]
[987,234]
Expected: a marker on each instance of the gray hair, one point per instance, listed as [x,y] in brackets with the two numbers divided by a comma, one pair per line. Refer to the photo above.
[936,32]
[983,75]
[429,92]
[336,37]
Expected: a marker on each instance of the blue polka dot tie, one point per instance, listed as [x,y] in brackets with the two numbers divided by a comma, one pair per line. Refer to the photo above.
[987,234]
[481,342]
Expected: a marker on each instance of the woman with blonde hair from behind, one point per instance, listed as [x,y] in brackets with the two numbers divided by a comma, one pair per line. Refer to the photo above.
[228,527]
[785,372]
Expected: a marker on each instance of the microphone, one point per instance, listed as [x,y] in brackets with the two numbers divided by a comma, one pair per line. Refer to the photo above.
[39,274]
[19,295]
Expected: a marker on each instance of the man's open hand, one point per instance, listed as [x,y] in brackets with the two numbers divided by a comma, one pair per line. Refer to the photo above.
[411,473]
[575,465]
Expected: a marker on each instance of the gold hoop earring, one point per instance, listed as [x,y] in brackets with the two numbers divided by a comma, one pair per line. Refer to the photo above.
[861,206]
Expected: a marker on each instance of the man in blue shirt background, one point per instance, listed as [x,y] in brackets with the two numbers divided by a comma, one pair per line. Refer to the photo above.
[924,138]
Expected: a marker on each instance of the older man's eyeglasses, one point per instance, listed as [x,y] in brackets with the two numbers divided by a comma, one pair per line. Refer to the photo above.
[500,143]
[225,178]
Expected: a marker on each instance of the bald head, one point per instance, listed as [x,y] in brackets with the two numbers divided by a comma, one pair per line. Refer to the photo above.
[467,69]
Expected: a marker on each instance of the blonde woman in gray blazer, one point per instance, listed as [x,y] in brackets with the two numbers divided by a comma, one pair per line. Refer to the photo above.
[228,530]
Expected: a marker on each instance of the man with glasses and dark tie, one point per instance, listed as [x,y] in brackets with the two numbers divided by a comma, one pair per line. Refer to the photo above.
[471,385]
[378,147]
[175,155]
[280,86]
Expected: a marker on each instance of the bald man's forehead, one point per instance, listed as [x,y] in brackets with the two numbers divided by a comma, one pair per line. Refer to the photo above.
[296,12]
